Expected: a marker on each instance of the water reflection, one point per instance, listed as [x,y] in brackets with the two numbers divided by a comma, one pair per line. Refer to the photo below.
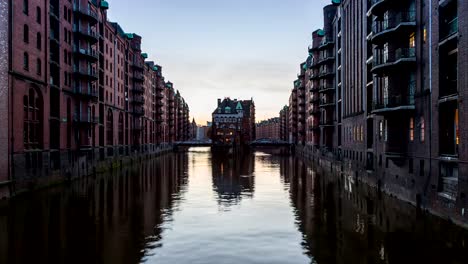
[346,222]
[106,219]
[203,207]
[233,177]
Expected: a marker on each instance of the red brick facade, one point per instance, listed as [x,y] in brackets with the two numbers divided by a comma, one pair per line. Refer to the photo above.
[268,129]
[81,92]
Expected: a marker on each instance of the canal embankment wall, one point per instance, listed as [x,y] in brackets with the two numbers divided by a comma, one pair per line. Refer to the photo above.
[388,179]
[73,166]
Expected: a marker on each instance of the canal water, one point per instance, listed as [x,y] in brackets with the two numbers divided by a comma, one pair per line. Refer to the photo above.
[196,206]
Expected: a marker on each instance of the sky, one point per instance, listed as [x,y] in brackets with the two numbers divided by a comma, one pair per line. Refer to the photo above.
[213,49]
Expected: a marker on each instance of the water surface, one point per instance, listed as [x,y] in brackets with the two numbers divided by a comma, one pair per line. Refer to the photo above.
[204,207]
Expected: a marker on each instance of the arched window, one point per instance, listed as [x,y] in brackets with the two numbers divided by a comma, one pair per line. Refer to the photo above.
[38,41]
[26,7]
[39,67]
[121,128]
[26,61]
[110,128]
[38,15]
[32,120]
[26,33]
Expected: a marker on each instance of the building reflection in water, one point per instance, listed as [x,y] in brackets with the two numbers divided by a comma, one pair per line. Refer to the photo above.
[346,222]
[233,177]
[108,218]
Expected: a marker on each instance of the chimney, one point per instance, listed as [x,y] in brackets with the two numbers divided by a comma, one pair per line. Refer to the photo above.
[219,102]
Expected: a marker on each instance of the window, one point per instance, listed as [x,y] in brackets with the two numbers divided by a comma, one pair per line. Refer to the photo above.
[38,15]
[425,34]
[26,7]
[423,128]
[65,13]
[32,125]
[38,66]
[411,129]
[385,131]
[39,41]
[26,33]
[412,40]
[26,61]
[109,128]
[381,130]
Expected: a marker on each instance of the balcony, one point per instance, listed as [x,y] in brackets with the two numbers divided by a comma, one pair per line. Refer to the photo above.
[326,59]
[87,33]
[139,100]
[88,54]
[54,36]
[392,59]
[138,89]
[85,120]
[312,49]
[138,78]
[326,88]
[137,66]
[327,103]
[86,13]
[397,23]
[327,123]
[88,73]
[448,30]
[326,43]
[376,7]
[85,93]
[139,111]
[327,74]
[394,104]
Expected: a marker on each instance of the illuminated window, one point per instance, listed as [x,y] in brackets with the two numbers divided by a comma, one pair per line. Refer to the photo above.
[411,129]
[412,40]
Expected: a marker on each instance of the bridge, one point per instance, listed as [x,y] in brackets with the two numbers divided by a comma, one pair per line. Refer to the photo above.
[255,143]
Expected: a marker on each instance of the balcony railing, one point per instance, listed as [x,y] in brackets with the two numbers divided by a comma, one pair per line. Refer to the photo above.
[85,92]
[393,57]
[326,41]
[139,77]
[88,72]
[391,24]
[86,52]
[396,102]
[86,11]
[85,119]
[87,32]
[376,4]
[138,100]
[327,102]
[449,29]
[139,111]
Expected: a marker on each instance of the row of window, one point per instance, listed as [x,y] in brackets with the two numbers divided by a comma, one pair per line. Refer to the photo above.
[26,37]
[38,11]
[26,64]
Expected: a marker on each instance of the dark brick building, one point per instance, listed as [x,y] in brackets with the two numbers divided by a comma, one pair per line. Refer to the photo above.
[384,98]
[79,93]
[233,122]
[268,129]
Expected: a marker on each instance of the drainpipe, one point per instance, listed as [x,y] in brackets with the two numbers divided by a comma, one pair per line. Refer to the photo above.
[430,98]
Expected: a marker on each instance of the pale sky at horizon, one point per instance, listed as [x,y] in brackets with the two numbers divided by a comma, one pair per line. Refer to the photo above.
[214,49]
